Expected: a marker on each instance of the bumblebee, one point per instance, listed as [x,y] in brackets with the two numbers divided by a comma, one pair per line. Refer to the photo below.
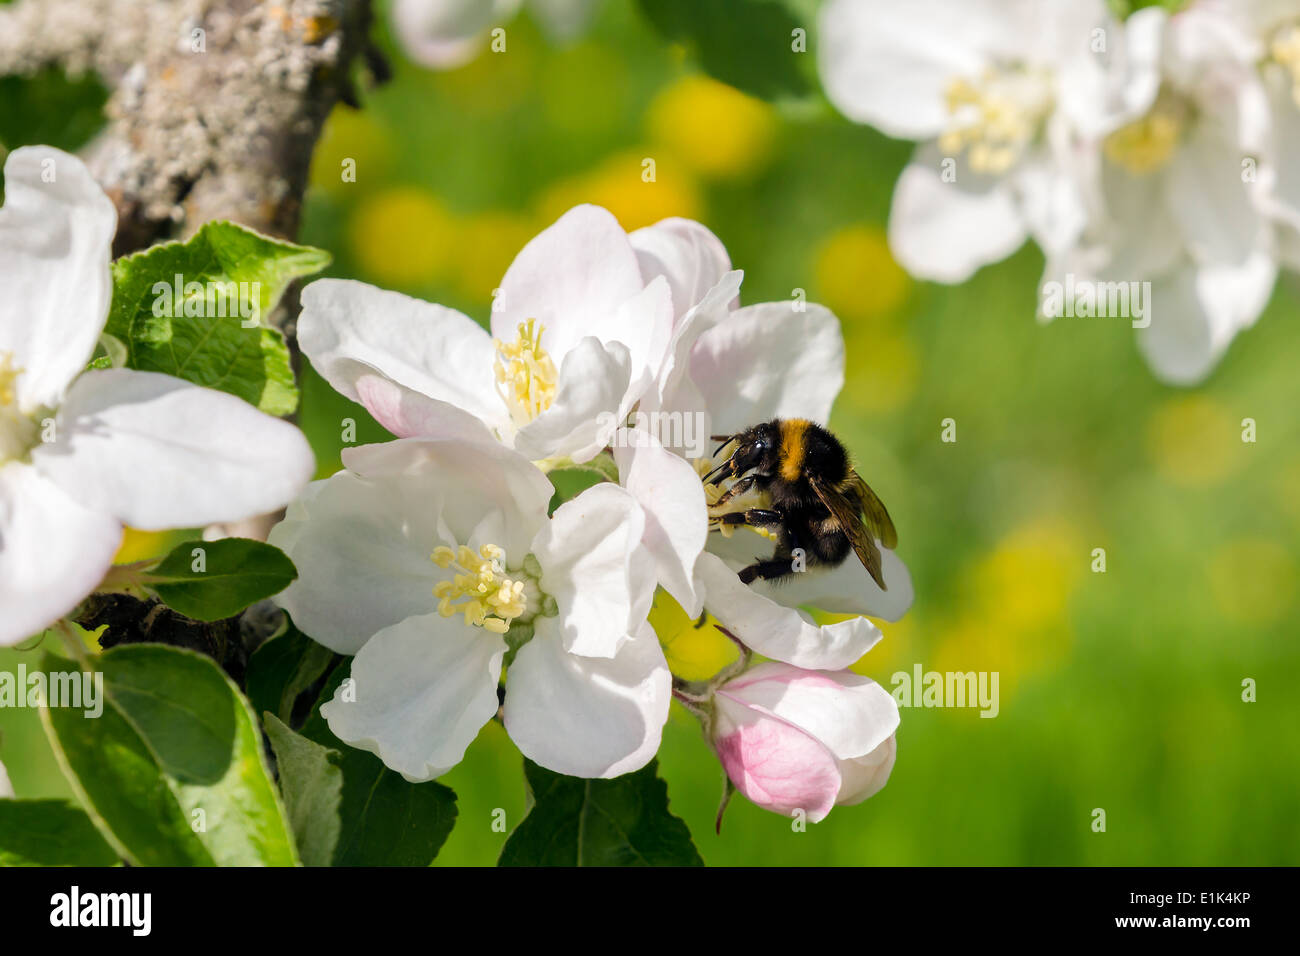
[813,498]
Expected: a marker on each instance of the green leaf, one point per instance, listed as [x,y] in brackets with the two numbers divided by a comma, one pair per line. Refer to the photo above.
[282,669]
[172,772]
[212,348]
[385,819]
[747,43]
[50,833]
[619,822]
[312,784]
[211,580]
[50,108]
[571,480]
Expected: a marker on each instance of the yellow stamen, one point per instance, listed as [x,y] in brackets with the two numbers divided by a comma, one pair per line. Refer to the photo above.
[1000,117]
[1285,49]
[526,376]
[712,493]
[8,376]
[479,590]
[1148,143]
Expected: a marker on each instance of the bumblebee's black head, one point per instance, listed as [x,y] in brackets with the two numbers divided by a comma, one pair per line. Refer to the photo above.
[756,449]
[786,449]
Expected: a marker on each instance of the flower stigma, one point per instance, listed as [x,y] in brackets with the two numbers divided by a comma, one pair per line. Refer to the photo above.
[997,117]
[525,374]
[481,590]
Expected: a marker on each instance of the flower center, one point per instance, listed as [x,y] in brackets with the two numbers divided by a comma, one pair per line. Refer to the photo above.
[1285,49]
[712,494]
[481,590]
[18,433]
[1148,143]
[526,376]
[996,118]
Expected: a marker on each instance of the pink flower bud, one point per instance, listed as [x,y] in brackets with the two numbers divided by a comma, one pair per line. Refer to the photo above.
[793,739]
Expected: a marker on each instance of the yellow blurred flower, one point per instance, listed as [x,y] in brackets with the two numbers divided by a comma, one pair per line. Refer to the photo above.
[1253,580]
[639,187]
[857,277]
[1193,441]
[402,236]
[717,130]
[485,246]
[693,653]
[355,136]
[896,651]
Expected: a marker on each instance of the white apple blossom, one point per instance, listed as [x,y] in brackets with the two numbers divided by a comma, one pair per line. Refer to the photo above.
[995,91]
[6,788]
[82,452]
[1271,32]
[444,34]
[1178,195]
[576,338]
[733,367]
[430,559]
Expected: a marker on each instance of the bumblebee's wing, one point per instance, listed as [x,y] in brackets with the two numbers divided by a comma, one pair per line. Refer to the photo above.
[850,522]
[877,518]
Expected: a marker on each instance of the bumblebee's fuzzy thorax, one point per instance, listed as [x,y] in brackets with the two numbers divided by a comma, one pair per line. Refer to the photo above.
[807,447]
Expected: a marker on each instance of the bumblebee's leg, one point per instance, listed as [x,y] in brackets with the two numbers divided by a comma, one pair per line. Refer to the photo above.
[753,517]
[738,487]
[769,570]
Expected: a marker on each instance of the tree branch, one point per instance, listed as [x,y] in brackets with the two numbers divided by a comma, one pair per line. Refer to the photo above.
[216,105]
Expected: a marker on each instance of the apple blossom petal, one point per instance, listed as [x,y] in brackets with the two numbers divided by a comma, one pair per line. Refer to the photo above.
[846,588]
[776,631]
[589,405]
[53,552]
[890,64]
[572,277]
[467,480]
[1211,205]
[674,392]
[349,329]
[676,516]
[587,716]
[410,414]
[1096,95]
[690,257]
[748,372]
[422,688]
[362,550]
[774,764]
[945,231]
[157,452]
[864,777]
[1196,313]
[444,34]
[849,714]
[594,566]
[1283,199]
[56,238]
[6,788]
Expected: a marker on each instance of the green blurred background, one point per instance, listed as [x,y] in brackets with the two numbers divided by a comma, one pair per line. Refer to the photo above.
[1119,690]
